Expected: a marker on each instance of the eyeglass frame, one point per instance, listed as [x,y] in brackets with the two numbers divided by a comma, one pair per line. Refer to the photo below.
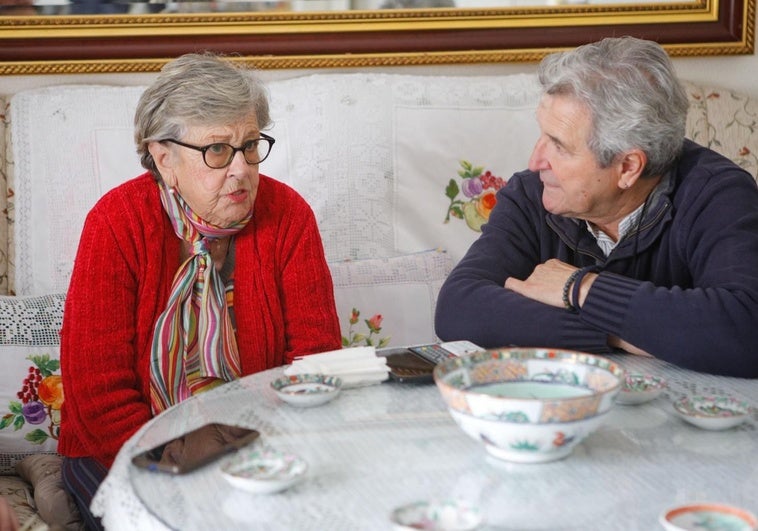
[202,149]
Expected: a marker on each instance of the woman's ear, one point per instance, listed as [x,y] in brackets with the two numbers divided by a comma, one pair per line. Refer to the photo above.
[632,165]
[164,161]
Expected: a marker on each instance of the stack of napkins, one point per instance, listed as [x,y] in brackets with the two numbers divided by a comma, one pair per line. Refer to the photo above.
[355,366]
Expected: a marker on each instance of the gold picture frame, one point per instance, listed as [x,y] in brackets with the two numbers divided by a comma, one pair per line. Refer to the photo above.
[61,44]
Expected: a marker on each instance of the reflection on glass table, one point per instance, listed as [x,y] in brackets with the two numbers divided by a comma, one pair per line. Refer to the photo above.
[377,448]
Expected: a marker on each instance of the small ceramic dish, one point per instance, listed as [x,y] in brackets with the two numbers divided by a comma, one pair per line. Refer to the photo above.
[712,412]
[702,516]
[264,470]
[307,390]
[447,515]
[640,388]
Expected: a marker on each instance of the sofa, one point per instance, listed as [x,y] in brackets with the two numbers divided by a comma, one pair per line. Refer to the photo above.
[384,160]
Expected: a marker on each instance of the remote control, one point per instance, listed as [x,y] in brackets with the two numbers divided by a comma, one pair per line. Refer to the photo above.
[432,353]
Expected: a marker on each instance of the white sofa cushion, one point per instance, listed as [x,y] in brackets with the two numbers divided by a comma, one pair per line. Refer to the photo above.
[29,347]
[71,145]
[374,154]
[402,290]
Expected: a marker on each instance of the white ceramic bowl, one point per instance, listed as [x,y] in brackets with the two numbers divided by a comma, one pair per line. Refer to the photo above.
[704,516]
[528,443]
[713,412]
[447,515]
[264,470]
[529,404]
[640,388]
[307,390]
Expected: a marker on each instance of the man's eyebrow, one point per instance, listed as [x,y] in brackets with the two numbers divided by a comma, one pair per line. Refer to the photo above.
[557,141]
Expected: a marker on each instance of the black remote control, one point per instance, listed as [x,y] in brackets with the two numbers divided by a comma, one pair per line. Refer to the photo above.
[432,353]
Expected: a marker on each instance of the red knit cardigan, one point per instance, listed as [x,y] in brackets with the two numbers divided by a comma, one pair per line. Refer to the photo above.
[126,260]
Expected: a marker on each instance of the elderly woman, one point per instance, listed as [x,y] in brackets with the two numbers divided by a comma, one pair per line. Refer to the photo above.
[195,273]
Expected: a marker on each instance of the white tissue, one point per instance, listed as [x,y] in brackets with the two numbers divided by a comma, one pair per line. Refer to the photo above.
[355,366]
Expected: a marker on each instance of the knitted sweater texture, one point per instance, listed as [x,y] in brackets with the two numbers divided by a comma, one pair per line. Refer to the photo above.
[126,260]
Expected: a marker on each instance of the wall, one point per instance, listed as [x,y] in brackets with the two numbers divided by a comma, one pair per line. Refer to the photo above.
[739,73]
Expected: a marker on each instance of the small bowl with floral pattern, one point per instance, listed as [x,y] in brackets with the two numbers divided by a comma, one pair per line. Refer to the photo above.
[639,389]
[703,516]
[307,390]
[442,515]
[713,412]
[264,470]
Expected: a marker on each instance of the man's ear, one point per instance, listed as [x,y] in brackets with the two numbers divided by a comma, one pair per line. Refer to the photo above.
[164,161]
[632,165]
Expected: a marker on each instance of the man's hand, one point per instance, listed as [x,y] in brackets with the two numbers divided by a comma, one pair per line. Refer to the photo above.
[545,284]
[616,342]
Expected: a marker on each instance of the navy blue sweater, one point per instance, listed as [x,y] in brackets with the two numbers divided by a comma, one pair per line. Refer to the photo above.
[684,287]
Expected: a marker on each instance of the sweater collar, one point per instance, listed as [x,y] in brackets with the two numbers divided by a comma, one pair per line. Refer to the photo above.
[574,232]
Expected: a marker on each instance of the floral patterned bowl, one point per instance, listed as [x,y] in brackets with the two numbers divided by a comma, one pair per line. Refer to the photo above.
[446,515]
[529,404]
[528,443]
[707,516]
[713,412]
[264,470]
[307,390]
[640,388]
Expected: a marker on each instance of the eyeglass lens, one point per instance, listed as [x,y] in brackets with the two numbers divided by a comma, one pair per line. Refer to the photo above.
[220,155]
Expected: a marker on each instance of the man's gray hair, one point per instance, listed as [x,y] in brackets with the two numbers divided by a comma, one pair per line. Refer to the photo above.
[196,90]
[633,95]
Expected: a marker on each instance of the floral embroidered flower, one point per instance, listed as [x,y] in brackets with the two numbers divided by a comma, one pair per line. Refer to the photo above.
[50,391]
[486,203]
[34,412]
[479,187]
[374,325]
[40,399]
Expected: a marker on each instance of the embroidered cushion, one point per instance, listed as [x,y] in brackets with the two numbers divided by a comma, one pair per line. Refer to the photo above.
[54,193]
[389,301]
[416,164]
[31,392]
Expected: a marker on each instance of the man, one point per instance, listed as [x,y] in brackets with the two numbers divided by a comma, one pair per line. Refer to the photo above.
[622,234]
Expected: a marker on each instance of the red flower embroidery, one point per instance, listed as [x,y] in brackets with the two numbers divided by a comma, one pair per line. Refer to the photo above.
[374,325]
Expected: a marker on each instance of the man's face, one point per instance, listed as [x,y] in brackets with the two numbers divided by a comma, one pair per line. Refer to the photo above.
[574,184]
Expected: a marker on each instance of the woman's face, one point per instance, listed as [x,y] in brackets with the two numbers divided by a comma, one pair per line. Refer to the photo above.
[221,196]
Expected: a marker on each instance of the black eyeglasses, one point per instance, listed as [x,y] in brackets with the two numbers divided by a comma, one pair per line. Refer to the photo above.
[220,154]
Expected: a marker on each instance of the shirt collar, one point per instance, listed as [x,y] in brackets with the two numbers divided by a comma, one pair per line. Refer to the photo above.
[628,222]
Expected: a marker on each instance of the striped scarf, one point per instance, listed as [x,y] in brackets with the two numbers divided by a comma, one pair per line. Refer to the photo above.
[194,346]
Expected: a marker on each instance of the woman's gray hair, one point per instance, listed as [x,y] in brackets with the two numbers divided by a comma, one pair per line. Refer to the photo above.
[196,89]
[633,95]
